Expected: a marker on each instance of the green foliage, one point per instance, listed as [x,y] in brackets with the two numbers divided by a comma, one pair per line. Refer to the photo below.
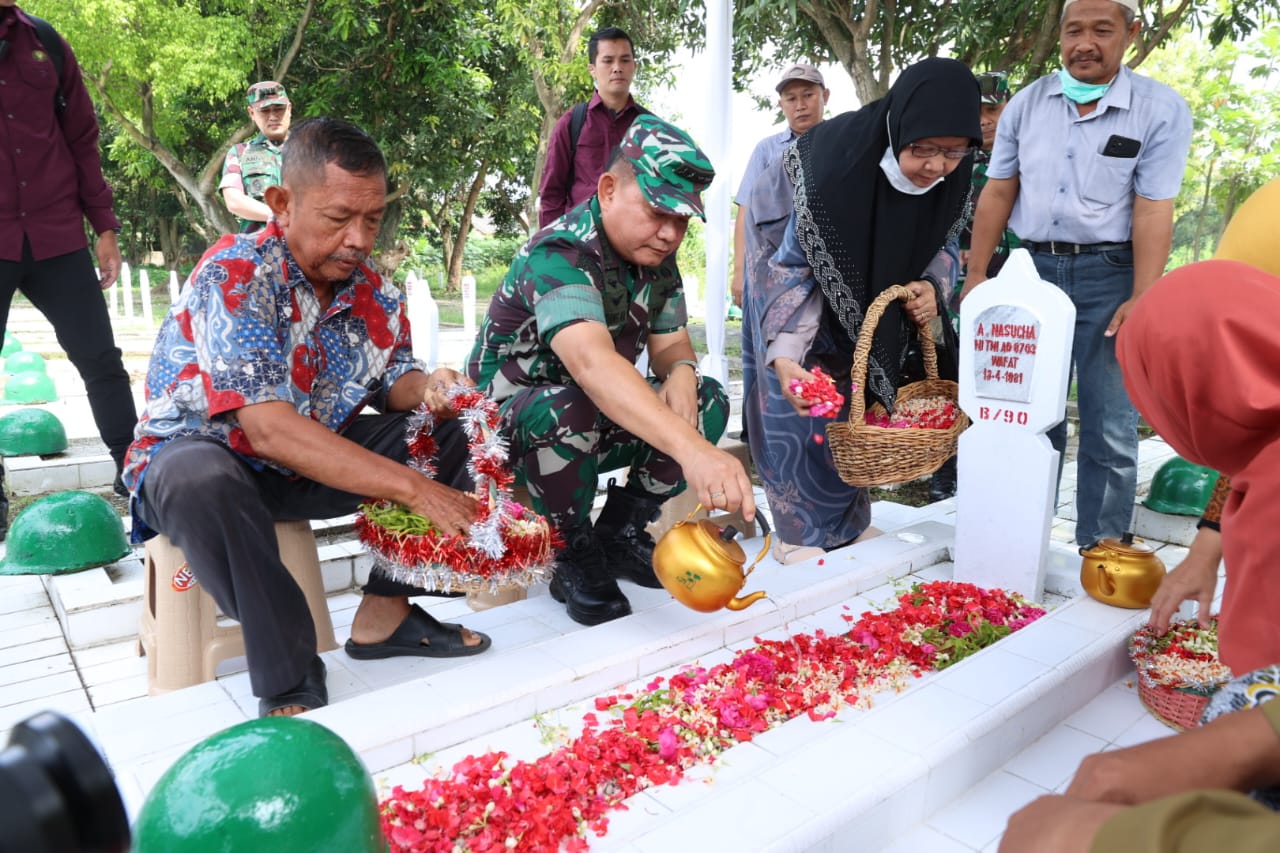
[872,40]
[1234,93]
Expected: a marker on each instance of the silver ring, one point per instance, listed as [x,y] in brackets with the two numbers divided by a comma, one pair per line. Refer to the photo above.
[717,494]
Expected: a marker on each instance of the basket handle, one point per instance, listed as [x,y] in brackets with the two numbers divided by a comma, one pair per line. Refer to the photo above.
[862,350]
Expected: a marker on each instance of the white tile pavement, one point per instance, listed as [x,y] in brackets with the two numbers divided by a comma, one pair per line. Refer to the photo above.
[919,801]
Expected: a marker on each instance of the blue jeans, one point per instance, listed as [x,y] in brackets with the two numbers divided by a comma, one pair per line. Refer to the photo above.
[1107,459]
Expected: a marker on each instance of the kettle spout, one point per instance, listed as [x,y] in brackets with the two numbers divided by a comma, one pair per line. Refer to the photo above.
[743,602]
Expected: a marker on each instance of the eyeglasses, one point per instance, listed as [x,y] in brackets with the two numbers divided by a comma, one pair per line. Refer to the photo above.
[924,152]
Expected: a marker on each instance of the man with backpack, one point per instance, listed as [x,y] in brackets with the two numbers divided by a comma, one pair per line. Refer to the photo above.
[50,183]
[586,135]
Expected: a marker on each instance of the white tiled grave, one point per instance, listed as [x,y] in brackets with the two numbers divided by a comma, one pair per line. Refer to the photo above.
[872,773]
[391,710]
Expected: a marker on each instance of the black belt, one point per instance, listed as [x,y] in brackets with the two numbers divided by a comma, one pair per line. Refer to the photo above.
[1053,247]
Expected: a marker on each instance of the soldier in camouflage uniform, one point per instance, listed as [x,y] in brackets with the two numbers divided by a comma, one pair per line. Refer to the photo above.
[253,166]
[583,299]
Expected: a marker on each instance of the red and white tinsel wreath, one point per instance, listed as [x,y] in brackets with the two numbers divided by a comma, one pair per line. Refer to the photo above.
[507,545]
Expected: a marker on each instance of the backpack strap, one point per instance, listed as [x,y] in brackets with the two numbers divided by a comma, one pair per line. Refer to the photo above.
[576,121]
[53,46]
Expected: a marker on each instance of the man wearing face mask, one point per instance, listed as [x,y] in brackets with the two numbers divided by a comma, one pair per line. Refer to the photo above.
[1086,166]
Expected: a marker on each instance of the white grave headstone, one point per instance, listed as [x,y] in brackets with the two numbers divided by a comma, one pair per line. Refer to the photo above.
[173,286]
[112,302]
[424,319]
[468,286]
[126,290]
[144,290]
[1015,365]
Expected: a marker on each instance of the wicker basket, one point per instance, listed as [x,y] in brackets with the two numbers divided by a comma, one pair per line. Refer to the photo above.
[868,455]
[1177,709]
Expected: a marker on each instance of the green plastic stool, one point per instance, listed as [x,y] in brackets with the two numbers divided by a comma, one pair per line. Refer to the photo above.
[25,361]
[29,388]
[1181,488]
[64,533]
[11,345]
[279,784]
[31,432]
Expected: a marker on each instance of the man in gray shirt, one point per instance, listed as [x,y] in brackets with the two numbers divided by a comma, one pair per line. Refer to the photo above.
[1086,166]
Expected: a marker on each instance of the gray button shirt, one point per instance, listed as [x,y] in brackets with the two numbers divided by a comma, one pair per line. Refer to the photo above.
[1069,189]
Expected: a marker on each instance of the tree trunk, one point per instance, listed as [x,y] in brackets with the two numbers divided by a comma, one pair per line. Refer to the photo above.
[1200,214]
[453,263]
[170,245]
[552,98]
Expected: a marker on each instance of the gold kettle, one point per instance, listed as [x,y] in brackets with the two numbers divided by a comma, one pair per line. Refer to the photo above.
[702,567]
[1121,572]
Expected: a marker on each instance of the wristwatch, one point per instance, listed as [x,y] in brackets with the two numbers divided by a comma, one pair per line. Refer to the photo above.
[697,374]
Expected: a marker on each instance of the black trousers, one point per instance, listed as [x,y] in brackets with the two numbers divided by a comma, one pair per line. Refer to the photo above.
[66,291]
[221,513]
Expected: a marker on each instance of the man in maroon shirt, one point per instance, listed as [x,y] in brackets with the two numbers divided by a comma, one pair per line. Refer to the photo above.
[572,172]
[50,183]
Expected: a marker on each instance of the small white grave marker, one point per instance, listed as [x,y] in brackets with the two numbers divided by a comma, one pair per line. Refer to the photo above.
[144,290]
[468,286]
[424,319]
[173,287]
[1015,364]
[126,290]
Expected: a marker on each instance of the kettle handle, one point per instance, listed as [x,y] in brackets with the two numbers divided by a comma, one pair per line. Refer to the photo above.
[768,537]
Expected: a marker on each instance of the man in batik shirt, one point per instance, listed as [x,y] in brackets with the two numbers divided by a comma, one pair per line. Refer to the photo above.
[583,299]
[254,398]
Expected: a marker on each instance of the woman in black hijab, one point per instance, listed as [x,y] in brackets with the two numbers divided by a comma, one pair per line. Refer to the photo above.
[879,195]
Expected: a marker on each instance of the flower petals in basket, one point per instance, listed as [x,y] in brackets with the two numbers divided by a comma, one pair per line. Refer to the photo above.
[507,545]
[1178,672]
[870,449]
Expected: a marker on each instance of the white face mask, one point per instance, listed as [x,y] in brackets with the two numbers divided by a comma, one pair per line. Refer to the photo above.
[893,169]
[898,179]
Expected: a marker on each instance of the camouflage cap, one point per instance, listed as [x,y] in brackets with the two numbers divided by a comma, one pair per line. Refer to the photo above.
[994,86]
[268,93]
[670,168]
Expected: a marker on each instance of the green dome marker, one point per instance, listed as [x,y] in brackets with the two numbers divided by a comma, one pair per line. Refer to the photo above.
[279,784]
[63,533]
[1181,488]
[31,432]
[29,388]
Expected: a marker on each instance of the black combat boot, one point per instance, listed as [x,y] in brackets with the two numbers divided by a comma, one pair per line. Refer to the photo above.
[628,549]
[942,484]
[581,582]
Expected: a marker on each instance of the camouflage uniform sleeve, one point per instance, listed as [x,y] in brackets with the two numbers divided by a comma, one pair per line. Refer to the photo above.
[559,290]
[231,172]
[668,312]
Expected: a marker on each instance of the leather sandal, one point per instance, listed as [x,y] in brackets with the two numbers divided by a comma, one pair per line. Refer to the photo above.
[444,640]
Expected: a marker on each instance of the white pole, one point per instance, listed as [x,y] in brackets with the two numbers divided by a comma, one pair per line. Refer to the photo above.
[716,198]
[173,286]
[144,289]
[126,290]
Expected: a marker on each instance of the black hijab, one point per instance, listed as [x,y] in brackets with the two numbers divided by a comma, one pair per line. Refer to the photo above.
[859,234]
